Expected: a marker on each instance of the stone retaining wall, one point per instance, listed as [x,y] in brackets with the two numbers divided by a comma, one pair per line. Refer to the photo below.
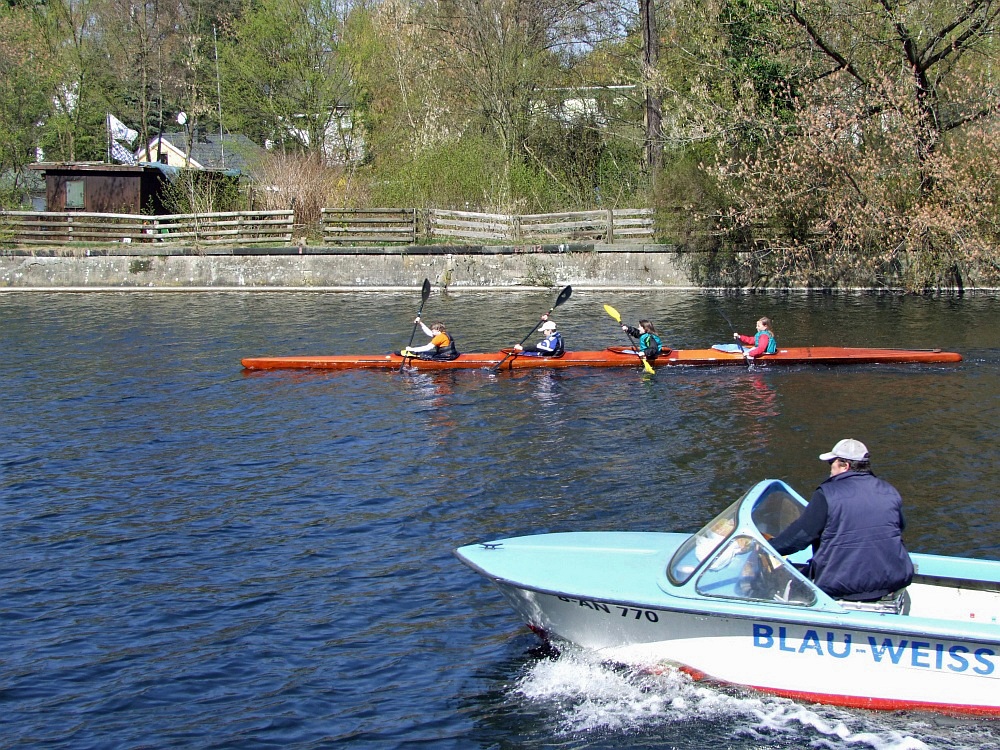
[580,264]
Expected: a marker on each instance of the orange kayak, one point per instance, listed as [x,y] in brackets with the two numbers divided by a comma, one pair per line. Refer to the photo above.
[613,356]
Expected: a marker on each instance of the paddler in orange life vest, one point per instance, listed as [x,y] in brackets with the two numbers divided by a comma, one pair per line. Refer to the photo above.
[441,346]
[550,346]
[763,342]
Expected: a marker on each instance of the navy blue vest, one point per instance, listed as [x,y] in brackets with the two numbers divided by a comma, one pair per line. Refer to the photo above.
[861,554]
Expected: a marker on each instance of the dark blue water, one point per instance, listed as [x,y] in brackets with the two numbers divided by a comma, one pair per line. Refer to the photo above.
[196,557]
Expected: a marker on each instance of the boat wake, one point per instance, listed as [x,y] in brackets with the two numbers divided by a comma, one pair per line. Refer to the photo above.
[589,696]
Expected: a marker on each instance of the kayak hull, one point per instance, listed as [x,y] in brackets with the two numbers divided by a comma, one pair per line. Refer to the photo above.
[611,357]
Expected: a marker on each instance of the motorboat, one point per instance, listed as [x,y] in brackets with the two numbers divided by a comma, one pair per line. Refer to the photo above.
[721,604]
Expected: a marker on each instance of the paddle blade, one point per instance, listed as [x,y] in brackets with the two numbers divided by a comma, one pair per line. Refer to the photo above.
[648,367]
[563,296]
[425,290]
[613,313]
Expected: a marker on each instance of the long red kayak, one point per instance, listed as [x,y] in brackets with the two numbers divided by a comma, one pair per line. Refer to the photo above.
[613,356]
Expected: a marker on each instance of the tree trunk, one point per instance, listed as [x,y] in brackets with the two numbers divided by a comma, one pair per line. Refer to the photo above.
[652,115]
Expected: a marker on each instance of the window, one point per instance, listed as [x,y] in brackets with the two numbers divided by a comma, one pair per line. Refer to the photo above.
[75,194]
[775,510]
[743,569]
[699,546]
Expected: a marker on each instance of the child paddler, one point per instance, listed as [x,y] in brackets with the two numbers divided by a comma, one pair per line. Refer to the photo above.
[763,342]
[441,346]
[550,346]
[649,339]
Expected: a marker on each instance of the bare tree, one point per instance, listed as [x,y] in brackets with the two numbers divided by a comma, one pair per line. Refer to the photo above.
[935,43]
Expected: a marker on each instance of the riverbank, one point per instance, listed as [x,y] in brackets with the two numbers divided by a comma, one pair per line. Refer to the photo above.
[585,265]
[593,265]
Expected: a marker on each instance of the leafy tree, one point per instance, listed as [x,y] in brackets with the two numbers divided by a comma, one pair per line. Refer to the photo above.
[141,42]
[285,79]
[75,130]
[397,89]
[24,91]
[495,57]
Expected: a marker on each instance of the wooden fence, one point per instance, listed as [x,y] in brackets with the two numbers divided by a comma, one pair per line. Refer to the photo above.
[339,226]
[72,227]
[611,225]
[343,226]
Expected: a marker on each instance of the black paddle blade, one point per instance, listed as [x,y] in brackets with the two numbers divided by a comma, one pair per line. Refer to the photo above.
[563,296]
[425,290]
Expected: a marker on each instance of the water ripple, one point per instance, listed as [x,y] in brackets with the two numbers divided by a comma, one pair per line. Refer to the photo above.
[201,558]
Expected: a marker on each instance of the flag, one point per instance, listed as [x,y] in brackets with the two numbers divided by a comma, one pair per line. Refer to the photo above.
[122,154]
[120,131]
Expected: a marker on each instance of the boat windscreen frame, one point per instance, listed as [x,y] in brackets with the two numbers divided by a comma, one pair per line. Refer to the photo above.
[747,570]
[701,545]
[730,558]
[762,511]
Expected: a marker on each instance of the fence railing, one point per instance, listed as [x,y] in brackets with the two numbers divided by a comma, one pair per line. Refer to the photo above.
[71,227]
[360,225]
[611,225]
[339,227]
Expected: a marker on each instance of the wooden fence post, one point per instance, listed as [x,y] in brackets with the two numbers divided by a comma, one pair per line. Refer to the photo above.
[611,227]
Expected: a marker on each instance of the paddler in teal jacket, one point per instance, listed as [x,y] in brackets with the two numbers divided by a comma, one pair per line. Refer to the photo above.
[649,339]
[764,341]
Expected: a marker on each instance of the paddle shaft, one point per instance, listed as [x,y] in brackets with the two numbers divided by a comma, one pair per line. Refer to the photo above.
[732,328]
[632,342]
[425,292]
[739,343]
[563,296]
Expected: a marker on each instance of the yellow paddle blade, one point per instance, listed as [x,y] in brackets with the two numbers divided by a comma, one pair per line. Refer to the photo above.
[613,313]
[648,367]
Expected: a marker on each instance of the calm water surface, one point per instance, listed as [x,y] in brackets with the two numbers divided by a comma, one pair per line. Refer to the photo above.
[193,556]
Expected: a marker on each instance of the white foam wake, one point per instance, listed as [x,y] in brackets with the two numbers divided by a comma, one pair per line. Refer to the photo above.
[585,694]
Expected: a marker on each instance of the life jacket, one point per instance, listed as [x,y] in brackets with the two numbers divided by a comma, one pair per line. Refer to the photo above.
[551,345]
[445,351]
[650,344]
[772,342]
[861,555]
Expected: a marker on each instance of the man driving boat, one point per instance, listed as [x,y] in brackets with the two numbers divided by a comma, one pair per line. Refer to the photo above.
[854,522]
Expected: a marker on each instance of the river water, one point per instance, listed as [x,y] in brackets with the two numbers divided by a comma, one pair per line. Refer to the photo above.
[194,556]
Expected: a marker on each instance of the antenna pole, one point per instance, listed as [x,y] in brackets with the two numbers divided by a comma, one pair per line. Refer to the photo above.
[218,90]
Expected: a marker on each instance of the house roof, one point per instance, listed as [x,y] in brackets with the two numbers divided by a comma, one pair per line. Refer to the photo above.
[210,151]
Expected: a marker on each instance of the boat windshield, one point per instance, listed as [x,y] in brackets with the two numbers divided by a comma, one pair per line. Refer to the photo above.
[745,569]
[774,510]
[699,546]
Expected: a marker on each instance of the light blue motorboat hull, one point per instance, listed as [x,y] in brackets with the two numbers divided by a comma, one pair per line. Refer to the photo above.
[611,592]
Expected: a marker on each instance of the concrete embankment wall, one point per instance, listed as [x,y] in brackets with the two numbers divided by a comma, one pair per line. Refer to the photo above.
[137,267]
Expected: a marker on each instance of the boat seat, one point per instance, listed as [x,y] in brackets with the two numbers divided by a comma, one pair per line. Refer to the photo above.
[896,603]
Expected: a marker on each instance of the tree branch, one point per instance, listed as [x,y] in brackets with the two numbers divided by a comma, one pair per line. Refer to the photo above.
[842,62]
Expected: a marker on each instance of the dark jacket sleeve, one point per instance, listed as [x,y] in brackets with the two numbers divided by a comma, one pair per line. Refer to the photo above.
[633,332]
[806,529]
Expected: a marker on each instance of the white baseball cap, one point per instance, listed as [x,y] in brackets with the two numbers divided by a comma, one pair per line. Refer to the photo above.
[848,449]
[548,325]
